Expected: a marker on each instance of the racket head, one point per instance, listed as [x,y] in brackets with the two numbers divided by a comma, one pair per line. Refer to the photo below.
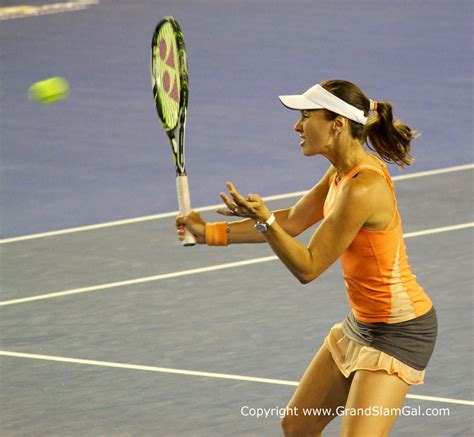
[169,73]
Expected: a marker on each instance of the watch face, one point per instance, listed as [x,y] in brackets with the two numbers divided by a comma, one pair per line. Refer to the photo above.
[261,227]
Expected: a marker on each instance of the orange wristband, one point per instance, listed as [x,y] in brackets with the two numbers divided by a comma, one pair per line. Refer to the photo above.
[216,234]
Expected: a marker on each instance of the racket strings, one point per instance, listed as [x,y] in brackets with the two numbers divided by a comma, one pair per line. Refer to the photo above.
[167,75]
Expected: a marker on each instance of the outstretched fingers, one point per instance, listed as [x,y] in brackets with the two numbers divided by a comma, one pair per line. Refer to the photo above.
[235,203]
[236,196]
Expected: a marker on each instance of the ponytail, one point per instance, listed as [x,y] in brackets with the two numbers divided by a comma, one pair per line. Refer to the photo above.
[383,134]
[390,138]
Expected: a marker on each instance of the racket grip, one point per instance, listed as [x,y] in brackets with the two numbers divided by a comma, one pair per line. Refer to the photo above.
[184,202]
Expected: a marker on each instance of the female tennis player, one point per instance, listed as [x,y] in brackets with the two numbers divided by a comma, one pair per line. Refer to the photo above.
[367,363]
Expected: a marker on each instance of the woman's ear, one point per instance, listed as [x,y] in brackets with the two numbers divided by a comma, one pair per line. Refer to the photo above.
[340,122]
[338,125]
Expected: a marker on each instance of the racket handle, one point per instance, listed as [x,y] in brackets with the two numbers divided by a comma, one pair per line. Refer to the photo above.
[184,201]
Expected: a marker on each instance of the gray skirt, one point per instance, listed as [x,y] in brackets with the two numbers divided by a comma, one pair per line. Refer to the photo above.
[412,342]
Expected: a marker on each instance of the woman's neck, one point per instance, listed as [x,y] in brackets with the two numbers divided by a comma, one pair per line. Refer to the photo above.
[346,158]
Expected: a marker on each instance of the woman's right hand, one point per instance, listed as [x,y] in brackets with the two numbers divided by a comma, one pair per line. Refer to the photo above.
[194,224]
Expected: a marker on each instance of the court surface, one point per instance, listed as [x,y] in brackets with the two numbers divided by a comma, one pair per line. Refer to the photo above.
[110,327]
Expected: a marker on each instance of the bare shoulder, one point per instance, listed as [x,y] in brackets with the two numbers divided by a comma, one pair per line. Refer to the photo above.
[370,193]
[368,186]
[373,181]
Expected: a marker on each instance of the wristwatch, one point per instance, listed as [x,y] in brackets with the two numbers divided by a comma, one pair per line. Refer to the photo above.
[263,226]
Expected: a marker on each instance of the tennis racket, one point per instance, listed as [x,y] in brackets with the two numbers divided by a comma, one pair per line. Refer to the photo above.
[169,78]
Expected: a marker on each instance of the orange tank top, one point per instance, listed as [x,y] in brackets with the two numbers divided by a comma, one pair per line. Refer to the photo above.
[379,282]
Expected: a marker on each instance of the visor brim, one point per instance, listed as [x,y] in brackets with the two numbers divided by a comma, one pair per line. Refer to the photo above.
[298,102]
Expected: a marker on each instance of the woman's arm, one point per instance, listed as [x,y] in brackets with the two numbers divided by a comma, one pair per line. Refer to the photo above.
[354,207]
[295,220]
[305,213]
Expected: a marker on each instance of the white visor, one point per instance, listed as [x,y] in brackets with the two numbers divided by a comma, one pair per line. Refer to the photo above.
[318,98]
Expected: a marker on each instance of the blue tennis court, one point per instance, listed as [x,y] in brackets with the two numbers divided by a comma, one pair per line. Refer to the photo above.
[108,325]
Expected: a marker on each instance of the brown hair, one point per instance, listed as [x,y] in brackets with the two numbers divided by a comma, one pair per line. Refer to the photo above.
[382,133]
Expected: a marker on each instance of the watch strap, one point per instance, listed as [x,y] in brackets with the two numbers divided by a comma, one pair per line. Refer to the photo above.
[270,220]
[263,226]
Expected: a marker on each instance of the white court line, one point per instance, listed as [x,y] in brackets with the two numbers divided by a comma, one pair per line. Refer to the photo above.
[196,373]
[211,208]
[21,11]
[438,230]
[200,270]
[140,280]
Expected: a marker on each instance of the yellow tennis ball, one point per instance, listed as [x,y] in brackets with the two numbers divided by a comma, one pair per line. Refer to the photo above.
[49,91]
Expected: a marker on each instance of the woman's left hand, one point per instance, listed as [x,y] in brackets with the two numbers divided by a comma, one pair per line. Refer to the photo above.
[251,207]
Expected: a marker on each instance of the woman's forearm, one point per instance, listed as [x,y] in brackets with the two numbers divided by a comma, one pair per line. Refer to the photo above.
[294,254]
[244,231]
